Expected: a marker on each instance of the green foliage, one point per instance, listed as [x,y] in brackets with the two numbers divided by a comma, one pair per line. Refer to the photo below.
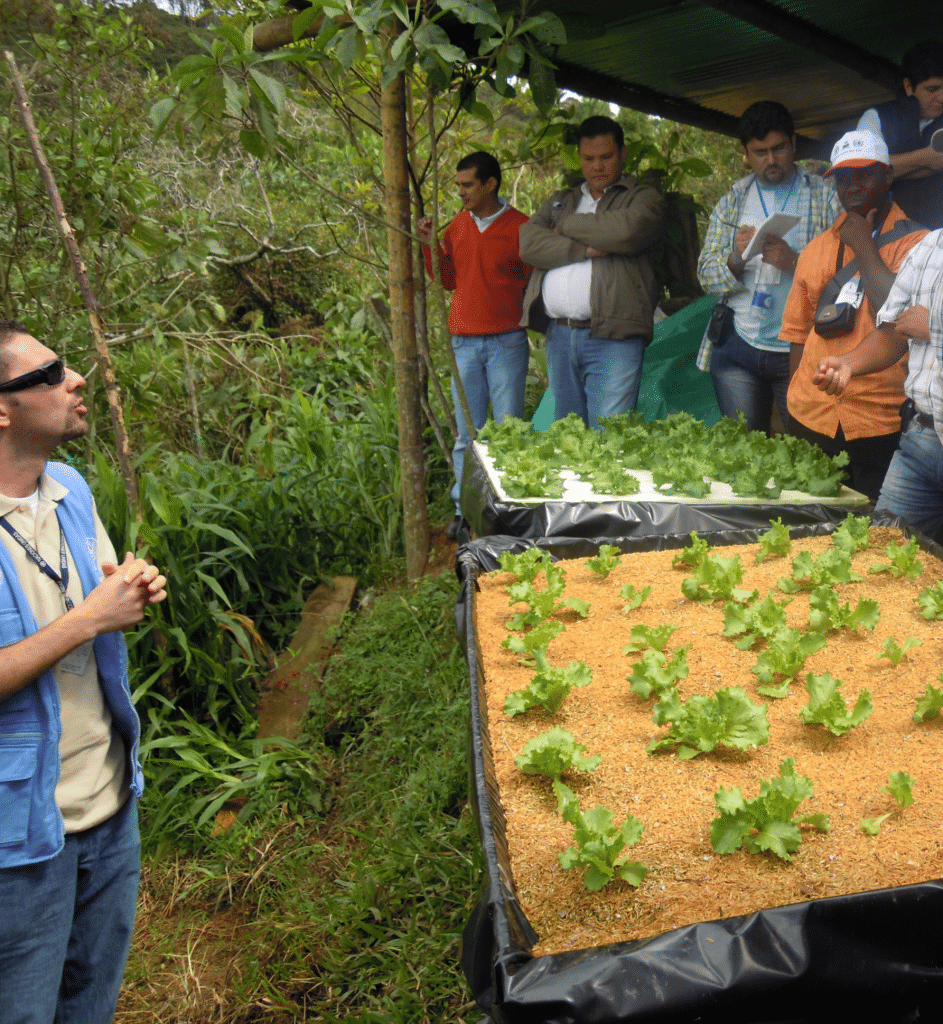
[831,567]
[598,843]
[549,688]
[900,787]
[701,723]
[930,703]
[827,707]
[930,602]
[543,603]
[554,752]
[715,579]
[853,534]
[654,673]
[607,560]
[903,560]
[692,555]
[826,614]
[784,658]
[527,565]
[756,620]
[649,636]
[533,645]
[774,542]
[635,597]
[896,654]
[767,823]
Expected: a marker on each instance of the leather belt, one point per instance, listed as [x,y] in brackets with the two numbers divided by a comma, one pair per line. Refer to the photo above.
[925,420]
[578,324]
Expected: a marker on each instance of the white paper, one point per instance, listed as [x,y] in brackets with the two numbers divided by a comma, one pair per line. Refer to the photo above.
[776,224]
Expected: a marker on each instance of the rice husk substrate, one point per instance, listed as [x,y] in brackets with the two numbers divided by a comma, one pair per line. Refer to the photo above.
[674,798]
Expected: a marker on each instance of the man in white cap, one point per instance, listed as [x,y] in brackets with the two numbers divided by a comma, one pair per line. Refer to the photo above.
[842,278]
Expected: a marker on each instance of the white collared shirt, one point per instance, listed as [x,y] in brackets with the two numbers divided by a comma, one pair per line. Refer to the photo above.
[566,290]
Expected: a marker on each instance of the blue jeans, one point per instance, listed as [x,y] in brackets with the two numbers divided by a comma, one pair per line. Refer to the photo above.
[913,487]
[592,377]
[750,379]
[65,926]
[492,368]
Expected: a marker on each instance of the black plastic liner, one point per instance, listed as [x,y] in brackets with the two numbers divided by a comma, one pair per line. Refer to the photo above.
[876,954]
[609,521]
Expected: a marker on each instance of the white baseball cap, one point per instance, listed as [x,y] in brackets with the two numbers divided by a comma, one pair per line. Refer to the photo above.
[859,149]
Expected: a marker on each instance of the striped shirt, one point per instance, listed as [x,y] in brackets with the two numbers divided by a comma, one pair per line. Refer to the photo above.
[920,283]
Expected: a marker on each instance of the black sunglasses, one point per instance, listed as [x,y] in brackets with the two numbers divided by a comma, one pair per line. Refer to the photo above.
[49,373]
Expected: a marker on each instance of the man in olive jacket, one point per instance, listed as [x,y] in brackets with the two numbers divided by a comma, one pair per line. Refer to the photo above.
[593,291]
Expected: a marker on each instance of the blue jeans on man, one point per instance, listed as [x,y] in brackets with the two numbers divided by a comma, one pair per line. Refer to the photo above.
[493,369]
[70,918]
[592,377]
[913,487]
[750,379]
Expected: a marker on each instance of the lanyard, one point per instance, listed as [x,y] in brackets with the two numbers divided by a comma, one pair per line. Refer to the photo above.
[759,192]
[61,579]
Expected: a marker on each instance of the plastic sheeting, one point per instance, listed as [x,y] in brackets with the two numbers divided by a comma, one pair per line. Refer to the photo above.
[878,954]
[488,515]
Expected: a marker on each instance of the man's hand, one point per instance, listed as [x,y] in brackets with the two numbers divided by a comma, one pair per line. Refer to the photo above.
[777,253]
[120,599]
[741,240]
[424,230]
[832,375]
[592,253]
[915,323]
[857,231]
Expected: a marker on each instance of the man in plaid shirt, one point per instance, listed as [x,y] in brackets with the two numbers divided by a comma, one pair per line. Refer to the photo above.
[911,318]
[748,363]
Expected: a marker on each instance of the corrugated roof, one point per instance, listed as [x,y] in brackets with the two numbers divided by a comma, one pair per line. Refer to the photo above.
[703,63]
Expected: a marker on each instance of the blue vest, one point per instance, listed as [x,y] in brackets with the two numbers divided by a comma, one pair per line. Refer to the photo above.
[31,826]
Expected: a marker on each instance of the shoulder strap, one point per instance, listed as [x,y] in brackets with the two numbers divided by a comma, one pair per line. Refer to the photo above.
[834,286]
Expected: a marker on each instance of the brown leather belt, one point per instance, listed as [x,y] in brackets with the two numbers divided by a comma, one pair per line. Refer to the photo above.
[578,324]
[924,419]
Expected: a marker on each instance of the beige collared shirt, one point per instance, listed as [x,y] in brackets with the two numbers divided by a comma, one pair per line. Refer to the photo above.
[91,786]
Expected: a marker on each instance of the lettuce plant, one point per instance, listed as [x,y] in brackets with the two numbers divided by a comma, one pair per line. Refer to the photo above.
[643,636]
[831,567]
[754,620]
[598,843]
[767,823]
[656,674]
[549,688]
[903,560]
[931,602]
[826,614]
[896,654]
[827,707]
[633,596]
[853,534]
[715,579]
[554,752]
[930,703]
[784,658]
[774,542]
[607,559]
[701,723]
[693,554]
[543,603]
[900,786]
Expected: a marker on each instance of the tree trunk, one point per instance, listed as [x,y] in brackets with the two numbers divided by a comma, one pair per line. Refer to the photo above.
[403,325]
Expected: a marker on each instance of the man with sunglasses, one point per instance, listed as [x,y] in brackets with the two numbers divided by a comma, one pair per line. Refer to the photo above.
[69,773]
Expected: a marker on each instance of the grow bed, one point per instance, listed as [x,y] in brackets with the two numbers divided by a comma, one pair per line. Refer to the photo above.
[583,513]
[876,953]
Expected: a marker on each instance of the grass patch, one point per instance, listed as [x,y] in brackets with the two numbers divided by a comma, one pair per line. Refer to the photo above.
[356,914]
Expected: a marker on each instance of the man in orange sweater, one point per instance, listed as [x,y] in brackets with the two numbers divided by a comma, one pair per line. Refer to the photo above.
[479,261]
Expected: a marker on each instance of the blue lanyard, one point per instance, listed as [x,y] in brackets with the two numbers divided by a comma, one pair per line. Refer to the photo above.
[759,192]
[61,579]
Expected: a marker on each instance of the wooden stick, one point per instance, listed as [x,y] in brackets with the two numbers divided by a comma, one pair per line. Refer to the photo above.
[103,357]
